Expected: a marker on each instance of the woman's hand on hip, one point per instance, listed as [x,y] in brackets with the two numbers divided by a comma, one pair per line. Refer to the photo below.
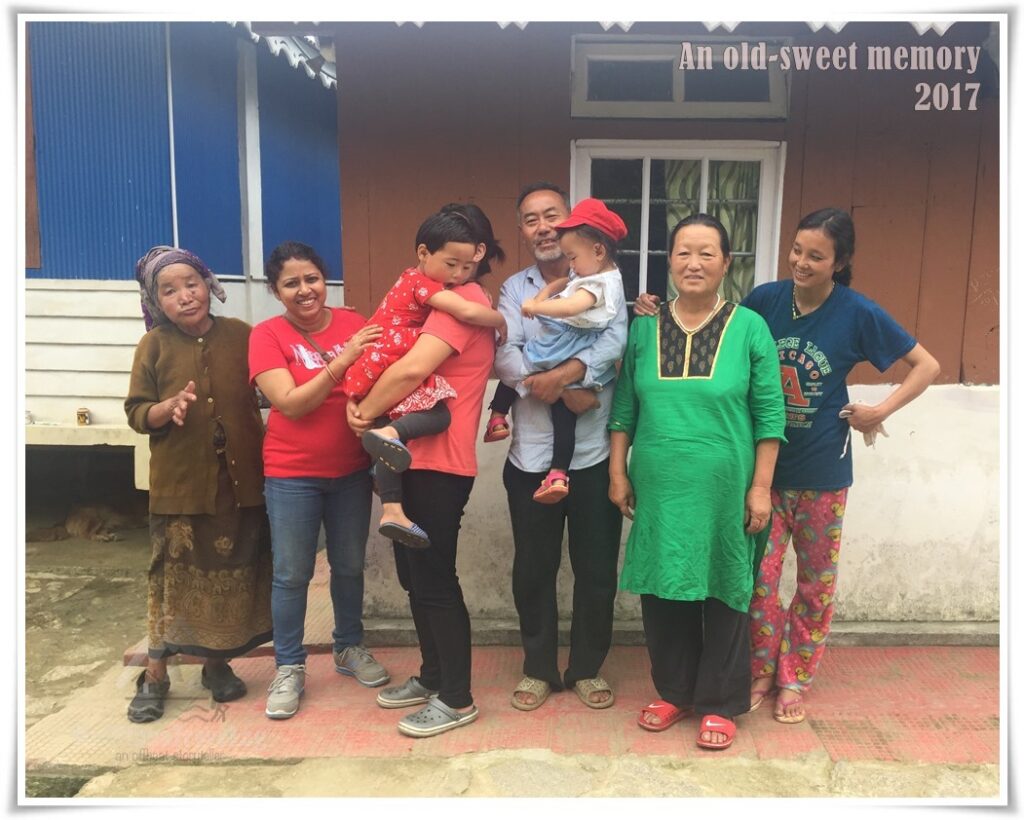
[862,417]
[758,509]
[620,492]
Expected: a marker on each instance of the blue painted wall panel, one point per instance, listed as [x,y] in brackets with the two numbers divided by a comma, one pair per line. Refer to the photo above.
[102,165]
[299,160]
[204,70]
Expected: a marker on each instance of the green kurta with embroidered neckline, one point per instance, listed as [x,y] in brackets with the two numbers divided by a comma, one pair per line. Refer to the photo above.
[694,407]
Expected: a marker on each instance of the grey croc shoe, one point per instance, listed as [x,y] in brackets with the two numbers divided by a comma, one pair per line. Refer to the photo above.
[410,693]
[434,718]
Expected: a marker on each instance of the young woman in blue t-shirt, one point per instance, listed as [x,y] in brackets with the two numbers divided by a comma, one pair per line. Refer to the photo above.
[822,329]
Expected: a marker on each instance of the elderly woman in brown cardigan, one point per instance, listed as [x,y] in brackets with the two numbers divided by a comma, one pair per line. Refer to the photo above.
[210,573]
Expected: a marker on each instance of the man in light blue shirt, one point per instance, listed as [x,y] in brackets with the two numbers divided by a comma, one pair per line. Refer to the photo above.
[595,524]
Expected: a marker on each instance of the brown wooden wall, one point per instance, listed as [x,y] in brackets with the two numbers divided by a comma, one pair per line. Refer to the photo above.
[470,111]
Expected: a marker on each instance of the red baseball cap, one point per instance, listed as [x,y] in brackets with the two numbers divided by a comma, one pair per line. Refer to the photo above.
[595,213]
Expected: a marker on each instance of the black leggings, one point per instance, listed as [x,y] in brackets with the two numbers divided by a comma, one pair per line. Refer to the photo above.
[563,423]
[410,426]
[437,500]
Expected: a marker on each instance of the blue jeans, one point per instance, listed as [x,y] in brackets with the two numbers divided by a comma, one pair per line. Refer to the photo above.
[296,508]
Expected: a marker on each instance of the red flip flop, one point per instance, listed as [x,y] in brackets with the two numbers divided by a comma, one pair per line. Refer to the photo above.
[667,712]
[716,723]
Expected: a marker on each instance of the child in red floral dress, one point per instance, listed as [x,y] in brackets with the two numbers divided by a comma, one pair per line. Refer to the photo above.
[450,248]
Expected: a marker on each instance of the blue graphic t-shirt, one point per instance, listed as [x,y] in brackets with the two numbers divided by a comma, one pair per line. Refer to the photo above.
[816,352]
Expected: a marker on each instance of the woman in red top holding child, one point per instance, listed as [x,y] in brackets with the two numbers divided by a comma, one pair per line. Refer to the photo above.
[447,250]
[437,488]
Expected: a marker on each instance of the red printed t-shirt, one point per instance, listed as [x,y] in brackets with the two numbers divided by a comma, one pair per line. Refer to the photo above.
[320,444]
[467,370]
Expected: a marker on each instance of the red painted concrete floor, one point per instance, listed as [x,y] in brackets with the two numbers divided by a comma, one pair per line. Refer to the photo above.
[913,704]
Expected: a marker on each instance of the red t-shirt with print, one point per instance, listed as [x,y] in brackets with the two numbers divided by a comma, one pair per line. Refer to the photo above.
[320,444]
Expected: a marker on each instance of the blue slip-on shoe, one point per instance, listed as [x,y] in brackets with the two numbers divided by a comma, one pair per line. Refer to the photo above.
[413,537]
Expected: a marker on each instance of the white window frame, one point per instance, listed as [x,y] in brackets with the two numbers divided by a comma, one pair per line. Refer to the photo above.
[586,48]
[771,155]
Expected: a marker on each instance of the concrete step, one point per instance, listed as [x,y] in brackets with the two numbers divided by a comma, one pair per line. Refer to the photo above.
[505,631]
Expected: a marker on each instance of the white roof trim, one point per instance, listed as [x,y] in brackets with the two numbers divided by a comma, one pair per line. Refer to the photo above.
[833,27]
[940,27]
[301,51]
[730,26]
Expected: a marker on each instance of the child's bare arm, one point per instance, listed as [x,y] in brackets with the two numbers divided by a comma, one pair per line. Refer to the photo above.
[466,311]
[560,308]
[552,288]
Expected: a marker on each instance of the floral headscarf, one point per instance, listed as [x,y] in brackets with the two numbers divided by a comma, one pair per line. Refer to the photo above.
[156,259]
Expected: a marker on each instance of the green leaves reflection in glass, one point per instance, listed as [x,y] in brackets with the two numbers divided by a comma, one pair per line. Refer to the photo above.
[732,198]
[733,189]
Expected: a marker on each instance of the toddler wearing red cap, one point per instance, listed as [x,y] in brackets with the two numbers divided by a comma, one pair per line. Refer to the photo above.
[572,311]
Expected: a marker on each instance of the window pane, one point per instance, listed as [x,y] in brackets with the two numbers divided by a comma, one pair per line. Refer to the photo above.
[629,80]
[733,189]
[657,273]
[675,193]
[630,213]
[740,279]
[719,84]
[629,267]
[616,178]
[619,183]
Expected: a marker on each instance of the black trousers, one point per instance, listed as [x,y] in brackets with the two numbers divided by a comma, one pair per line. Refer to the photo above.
[563,425]
[410,426]
[595,528]
[700,654]
[436,501]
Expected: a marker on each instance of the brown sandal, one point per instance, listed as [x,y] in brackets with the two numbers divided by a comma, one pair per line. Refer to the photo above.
[540,689]
[588,686]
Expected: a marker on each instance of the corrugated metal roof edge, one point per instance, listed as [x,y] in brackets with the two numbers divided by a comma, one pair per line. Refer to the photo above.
[304,52]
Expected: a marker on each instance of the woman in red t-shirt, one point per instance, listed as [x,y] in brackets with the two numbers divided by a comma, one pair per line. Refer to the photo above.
[316,469]
[435,492]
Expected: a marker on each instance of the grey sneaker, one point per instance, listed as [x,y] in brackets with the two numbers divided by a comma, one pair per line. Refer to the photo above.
[361,665]
[285,691]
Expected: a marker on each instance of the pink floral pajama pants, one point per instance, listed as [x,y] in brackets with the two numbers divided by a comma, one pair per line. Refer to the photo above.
[788,645]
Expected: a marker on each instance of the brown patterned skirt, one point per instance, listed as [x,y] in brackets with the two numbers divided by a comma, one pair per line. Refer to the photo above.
[209,580]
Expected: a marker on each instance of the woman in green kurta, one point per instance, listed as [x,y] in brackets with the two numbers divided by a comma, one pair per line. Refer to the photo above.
[700,401]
